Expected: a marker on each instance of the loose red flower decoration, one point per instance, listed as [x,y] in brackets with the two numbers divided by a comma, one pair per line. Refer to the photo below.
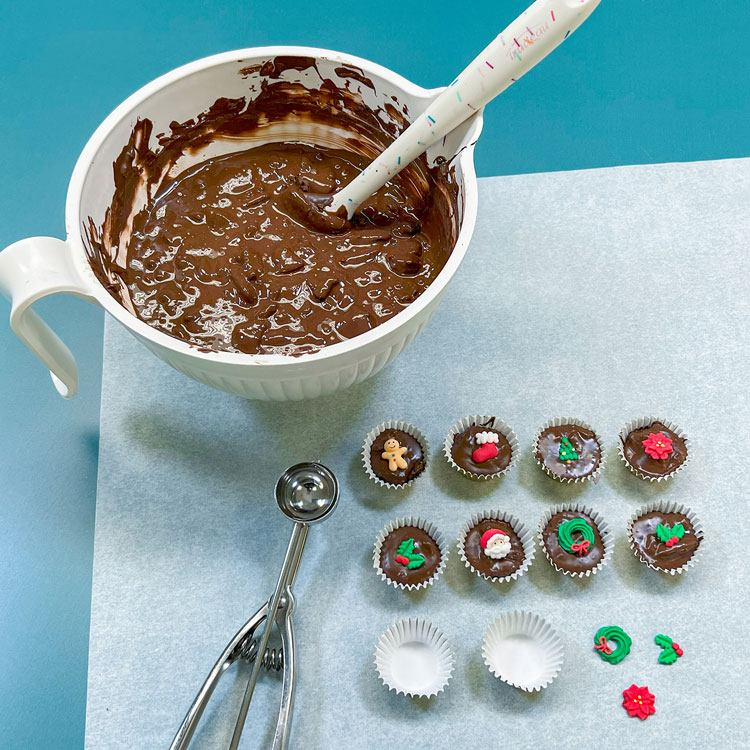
[658,445]
[638,701]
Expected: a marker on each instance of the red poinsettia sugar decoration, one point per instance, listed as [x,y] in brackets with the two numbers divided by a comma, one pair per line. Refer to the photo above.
[638,701]
[658,445]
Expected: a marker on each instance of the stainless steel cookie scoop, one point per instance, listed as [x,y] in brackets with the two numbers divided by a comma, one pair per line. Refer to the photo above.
[305,493]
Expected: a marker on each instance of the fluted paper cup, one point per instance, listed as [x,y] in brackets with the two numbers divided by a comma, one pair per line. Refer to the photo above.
[524,534]
[668,507]
[481,420]
[522,649]
[604,532]
[428,528]
[393,425]
[557,422]
[638,424]
[414,658]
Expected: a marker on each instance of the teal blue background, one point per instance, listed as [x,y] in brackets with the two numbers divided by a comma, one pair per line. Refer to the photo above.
[641,82]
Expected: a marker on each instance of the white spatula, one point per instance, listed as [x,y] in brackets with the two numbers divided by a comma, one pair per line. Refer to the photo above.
[529,39]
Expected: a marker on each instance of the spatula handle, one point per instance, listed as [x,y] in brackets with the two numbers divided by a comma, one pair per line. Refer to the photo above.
[526,41]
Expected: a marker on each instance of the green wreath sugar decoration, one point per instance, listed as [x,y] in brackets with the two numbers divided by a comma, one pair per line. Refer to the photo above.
[569,543]
[618,636]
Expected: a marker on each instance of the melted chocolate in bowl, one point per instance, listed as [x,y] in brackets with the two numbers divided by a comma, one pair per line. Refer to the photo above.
[232,253]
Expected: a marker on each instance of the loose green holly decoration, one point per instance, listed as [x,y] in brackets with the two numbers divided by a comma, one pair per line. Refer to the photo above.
[670,536]
[670,650]
[567,451]
[406,556]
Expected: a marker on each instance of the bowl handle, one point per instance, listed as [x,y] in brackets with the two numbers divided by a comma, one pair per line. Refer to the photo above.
[29,270]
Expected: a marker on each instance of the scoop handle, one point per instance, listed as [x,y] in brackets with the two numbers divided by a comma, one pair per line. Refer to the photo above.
[526,41]
[286,578]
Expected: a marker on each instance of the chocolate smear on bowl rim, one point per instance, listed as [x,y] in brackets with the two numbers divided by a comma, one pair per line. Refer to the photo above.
[231,254]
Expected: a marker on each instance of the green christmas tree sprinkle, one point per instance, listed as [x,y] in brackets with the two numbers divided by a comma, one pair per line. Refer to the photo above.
[567,451]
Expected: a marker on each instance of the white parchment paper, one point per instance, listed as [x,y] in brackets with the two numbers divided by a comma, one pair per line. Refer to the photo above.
[605,294]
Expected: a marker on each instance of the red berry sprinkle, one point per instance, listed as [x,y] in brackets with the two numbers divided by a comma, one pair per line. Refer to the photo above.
[401,559]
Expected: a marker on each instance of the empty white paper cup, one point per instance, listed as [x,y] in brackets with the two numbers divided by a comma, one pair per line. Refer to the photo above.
[414,658]
[522,649]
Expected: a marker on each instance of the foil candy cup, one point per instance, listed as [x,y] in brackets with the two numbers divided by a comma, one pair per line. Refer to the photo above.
[480,420]
[524,534]
[637,424]
[604,532]
[428,528]
[594,476]
[668,507]
[393,425]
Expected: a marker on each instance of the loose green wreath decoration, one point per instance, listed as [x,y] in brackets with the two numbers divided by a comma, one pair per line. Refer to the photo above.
[617,635]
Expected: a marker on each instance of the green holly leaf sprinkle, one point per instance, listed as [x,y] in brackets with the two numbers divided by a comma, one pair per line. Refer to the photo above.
[406,548]
[415,561]
[668,656]
[663,640]
[663,533]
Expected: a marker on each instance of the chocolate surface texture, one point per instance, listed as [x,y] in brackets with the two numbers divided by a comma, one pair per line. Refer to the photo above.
[486,565]
[414,457]
[583,441]
[571,561]
[636,455]
[234,252]
[651,550]
[464,444]
[424,545]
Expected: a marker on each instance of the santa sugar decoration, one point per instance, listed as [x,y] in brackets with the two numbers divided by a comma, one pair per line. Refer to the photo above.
[495,544]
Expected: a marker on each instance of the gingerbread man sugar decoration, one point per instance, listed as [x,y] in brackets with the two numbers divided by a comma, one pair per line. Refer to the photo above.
[394,453]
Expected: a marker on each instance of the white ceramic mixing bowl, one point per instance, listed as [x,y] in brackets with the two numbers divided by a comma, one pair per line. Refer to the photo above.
[39,266]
